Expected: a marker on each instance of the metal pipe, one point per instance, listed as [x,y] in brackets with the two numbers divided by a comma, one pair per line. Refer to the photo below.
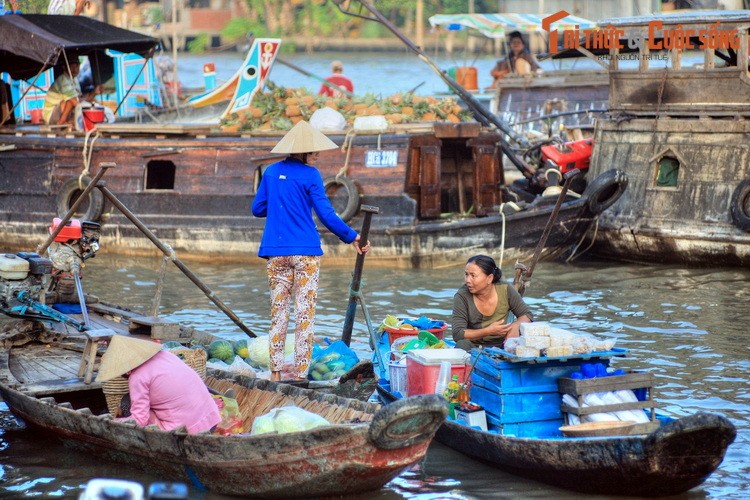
[354,293]
[81,299]
[166,250]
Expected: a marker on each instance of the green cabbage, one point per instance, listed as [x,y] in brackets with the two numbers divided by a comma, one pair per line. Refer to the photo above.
[257,350]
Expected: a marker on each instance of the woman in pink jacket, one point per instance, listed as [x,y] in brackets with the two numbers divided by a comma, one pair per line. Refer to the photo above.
[163,389]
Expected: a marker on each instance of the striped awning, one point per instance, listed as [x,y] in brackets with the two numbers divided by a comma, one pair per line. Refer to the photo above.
[498,25]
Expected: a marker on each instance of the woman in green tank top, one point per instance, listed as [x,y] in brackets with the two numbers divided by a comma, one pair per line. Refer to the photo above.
[481,307]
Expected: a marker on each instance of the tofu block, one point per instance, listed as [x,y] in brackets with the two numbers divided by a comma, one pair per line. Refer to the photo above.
[535,341]
[565,350]
[527,352]
[541,328]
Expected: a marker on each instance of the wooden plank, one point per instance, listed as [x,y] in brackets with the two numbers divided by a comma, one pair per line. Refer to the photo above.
[154,128]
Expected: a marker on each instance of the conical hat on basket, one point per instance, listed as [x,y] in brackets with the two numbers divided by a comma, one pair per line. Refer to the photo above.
[124,354]
[303,138]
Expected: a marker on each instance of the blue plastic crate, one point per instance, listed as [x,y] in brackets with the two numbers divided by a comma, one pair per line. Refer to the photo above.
[541,428]
[507,377]
[516,407]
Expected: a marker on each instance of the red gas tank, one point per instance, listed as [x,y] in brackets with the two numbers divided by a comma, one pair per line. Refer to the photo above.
[575,154]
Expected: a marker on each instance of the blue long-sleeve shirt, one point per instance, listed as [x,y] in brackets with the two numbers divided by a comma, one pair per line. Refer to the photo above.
[288,193]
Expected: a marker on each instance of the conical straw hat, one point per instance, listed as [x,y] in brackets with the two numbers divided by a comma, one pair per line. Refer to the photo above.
[303,138]
[124,354]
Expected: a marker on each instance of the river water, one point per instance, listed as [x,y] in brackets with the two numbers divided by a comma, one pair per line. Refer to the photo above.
[688,326]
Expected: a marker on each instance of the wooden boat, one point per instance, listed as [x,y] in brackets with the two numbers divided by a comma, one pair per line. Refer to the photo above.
[48,359]
[440,188]
[666,457]
[677,129]
[560,100]
[364,447]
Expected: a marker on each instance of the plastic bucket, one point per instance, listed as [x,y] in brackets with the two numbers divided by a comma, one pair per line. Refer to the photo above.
[466,76]
[36,116]
[92,116]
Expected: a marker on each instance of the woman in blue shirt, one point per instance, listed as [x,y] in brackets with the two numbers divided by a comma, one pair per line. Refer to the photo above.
[289,191]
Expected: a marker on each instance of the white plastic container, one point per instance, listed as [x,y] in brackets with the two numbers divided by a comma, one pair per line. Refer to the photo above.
[13,267]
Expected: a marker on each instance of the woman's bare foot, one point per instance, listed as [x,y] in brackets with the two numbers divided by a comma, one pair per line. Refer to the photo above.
[275,376]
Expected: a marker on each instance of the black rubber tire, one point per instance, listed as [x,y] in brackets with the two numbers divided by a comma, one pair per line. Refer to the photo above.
[740,206]
[352,196]
[408,421]
[605,190]
[70,191]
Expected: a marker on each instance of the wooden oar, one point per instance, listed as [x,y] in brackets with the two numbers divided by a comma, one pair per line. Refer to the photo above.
[523,273]
[322,80]
[354,294]
[166,250]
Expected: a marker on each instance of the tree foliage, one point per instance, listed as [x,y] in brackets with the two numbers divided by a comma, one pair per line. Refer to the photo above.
[323,18]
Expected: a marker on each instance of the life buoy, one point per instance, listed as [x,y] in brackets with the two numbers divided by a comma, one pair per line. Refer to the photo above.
[605,190]
[407,422]
[740,205]
[352,195]
[69,193]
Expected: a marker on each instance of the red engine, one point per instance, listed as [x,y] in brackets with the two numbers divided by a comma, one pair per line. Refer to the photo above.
[575,154]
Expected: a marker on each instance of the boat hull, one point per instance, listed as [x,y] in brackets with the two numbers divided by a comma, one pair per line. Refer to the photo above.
[672,460]
[194,189]
[332,460]
[675,458]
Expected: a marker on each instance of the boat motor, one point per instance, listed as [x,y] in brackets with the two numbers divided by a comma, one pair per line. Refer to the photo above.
[77,242]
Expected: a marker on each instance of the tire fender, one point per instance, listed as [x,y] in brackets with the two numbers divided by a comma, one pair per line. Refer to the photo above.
[605,190]
[70,191]
[408,421]
[740,206]
[352,195]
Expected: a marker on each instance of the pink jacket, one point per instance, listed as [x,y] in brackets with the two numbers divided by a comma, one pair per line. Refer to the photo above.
[167,392]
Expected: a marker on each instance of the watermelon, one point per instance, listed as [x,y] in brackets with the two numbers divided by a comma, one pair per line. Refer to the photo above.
[240,348]
[221,349]
[172,344]
[199,346]
[215,361]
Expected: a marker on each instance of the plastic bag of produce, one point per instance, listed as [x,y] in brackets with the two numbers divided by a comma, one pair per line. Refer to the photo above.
[327,119]
[231,419]
[287,419]
[239,366]
[331,362]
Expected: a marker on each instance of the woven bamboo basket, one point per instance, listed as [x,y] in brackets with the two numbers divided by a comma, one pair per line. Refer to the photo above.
[194,358]
[114,390]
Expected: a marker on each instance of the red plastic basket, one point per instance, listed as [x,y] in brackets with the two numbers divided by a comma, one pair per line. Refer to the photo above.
[395,333]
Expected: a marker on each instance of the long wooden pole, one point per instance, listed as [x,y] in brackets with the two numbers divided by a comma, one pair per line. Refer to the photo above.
[166,250]
[354,293]
[307,73]
[481,113]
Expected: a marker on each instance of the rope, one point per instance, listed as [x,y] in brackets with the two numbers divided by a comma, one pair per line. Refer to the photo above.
[347,146]
[171,255]
[575,248]
[87,153]
[502,235]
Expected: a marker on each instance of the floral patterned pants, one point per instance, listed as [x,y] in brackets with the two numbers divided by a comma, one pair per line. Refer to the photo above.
[298,274]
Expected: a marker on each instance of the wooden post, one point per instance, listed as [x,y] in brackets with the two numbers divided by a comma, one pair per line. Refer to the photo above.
[354,293]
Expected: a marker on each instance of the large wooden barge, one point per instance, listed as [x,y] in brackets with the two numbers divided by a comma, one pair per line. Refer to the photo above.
[680,132]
